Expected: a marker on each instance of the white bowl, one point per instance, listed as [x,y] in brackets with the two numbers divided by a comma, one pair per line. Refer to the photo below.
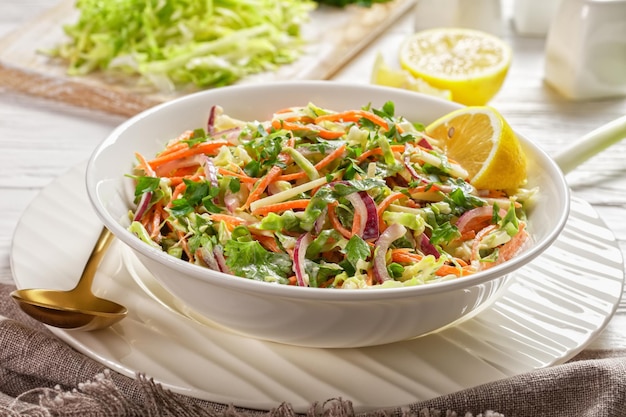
[295,315]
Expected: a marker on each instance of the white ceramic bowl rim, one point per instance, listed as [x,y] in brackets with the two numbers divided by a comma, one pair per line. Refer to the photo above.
[295,292]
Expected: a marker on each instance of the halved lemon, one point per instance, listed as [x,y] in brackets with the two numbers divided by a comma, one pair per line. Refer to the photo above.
[471,64]
[482,142]
[383,74]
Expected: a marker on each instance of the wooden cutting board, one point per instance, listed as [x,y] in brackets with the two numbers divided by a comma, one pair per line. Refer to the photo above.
[335,36]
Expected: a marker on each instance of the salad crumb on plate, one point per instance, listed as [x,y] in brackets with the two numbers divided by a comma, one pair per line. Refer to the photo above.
[357,198]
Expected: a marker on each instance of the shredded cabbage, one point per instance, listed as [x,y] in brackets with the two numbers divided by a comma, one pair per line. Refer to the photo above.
[184,42]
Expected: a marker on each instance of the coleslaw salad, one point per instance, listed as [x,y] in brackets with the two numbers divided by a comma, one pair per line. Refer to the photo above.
[314,197]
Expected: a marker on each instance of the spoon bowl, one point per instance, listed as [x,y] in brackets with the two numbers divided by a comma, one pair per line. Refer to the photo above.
[78,308]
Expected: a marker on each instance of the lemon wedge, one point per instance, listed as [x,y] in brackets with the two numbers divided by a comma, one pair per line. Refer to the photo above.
[481,141]
[383,74]
[471,64]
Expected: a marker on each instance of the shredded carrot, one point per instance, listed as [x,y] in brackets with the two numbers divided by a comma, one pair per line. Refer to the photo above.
[470,234]
[174,148]
[280,207]
[478,239]
[327,283]
[156,220]
[182,239]
[144,165]
[331,157]
[405,257]
[319,166]
[424,188]
[268,242]
[354,116]
[261,185]
[174,181]
[178,190]
[378,151]
[356,223]
[146,220]
[460,261]
[332,215]
[182,172]
[227,218]
[242,176]
[386,203]
[320,131]
[293,176]
[510,248]
[177,143]
[200,148]
[444,270]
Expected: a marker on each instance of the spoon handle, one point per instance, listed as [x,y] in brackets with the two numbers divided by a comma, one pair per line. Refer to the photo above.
[591,144]
[100,248]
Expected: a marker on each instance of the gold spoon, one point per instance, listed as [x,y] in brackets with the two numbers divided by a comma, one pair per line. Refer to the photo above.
[77,308]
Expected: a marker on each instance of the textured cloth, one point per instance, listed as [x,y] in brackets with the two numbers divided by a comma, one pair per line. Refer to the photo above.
[42,376]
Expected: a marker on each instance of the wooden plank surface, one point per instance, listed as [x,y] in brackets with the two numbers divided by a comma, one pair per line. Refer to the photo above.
[331,45]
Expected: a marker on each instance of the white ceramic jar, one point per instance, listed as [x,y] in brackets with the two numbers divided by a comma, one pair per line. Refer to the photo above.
[586,49]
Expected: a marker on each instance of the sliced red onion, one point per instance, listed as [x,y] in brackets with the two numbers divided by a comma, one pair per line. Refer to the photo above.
[319,223]
[419,177]
[232,201]
[230,135]
[144,202]
[364,204]
[190,161]
[425,144]
[428,248]
[476,218]
[210,171]
[299,253]
[209,258]
[372,228]
[412,171]
[211,122]
[277,187]
[218,252]
[393,232]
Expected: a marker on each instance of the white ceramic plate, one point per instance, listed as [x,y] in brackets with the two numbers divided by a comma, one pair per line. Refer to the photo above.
[548,312]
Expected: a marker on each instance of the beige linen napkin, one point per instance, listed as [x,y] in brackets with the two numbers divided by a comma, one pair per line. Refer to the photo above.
[42,376]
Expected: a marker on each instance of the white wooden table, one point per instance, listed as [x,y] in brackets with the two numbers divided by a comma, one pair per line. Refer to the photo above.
[39,140]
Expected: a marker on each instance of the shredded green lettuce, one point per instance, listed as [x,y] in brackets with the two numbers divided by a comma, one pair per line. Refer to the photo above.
[411,220]
[138,230]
